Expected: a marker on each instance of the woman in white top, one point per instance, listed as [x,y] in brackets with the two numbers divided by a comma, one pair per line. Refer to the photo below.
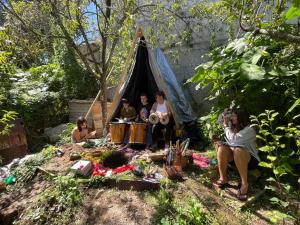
[240,147]
[163,109]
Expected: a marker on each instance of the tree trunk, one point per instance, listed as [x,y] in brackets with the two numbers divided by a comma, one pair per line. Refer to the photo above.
[103,99]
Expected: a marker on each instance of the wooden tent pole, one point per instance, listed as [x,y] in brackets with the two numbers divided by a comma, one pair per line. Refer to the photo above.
[99,92]
[139,33]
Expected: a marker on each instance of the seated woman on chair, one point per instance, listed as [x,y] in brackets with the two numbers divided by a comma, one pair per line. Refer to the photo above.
[240,147]
[163,109]
[80,132]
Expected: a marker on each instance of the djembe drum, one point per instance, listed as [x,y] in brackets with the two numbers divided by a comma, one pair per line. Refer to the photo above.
[117,132]
[138,133]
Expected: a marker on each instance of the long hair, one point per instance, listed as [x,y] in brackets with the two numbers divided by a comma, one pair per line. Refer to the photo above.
[243,119]
[160,93]
[80,121]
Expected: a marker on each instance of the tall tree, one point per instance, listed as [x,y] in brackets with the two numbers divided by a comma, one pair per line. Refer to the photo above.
[97,30]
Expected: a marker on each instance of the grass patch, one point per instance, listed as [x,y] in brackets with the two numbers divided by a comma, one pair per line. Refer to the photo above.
[56,205]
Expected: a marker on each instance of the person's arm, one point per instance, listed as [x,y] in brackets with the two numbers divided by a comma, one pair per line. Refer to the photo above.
[76,135]
[90,135]
[228,132]
[133,114]
[154,107]
[122,113]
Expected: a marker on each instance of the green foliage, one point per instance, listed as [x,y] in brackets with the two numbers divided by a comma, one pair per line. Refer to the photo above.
[5,121]
[65,136]
[192,214]
[55,205]
[294,10]
[246,71]
[26,171]
[169,212]
[209,124]
[36,100]
[75,81]
[281,147]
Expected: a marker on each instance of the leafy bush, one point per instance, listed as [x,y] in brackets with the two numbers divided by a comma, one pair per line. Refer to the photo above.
[26,171]
[5,121]
[281,145]
[169,213]
[192,214]
[65,136]
[248,70]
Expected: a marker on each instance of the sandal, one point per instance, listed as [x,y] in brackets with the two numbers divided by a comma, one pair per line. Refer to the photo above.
[220,184]
[242,197]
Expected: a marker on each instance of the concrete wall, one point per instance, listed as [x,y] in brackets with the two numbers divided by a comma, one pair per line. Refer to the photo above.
[188,58]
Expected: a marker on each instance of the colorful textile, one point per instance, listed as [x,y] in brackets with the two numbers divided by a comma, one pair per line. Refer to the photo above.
[100,171]
[201,161]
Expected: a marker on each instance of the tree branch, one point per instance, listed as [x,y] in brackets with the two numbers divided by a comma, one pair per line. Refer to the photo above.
[98,70]
[26,26]
[59,22]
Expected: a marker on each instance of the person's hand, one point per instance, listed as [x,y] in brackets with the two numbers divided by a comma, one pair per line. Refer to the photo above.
[225,120]
[89,135]
[159,114]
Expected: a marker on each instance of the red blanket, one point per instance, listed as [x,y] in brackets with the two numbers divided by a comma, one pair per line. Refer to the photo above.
[100,171]
[200,160]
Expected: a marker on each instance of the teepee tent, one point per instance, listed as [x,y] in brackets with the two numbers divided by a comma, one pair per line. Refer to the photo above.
[151,73]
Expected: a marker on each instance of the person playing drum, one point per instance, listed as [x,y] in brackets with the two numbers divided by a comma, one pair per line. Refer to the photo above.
[144,112]
[80,132]
[127,112]
[162,108]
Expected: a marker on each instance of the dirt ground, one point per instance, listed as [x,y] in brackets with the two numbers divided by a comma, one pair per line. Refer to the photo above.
[110,206]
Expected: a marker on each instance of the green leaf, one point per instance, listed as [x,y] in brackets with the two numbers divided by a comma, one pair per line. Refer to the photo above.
[265,164]
[267,148]
[252,72]
[280,170]
[296,103]
[292,13]
[271,158]
[254,54]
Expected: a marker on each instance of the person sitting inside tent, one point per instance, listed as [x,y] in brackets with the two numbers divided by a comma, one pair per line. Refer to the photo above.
[240,147]
[144,112]
[80,132]
[127,112]
[163,109]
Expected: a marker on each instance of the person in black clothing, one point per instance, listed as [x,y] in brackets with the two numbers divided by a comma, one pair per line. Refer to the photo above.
[143,109]
[143,115]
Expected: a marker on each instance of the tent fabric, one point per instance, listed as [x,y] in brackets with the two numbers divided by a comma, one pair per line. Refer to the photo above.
[151,73]
[161,69]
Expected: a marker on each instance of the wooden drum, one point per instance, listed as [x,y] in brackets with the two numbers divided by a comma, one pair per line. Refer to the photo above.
[117,132]
[138,133]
